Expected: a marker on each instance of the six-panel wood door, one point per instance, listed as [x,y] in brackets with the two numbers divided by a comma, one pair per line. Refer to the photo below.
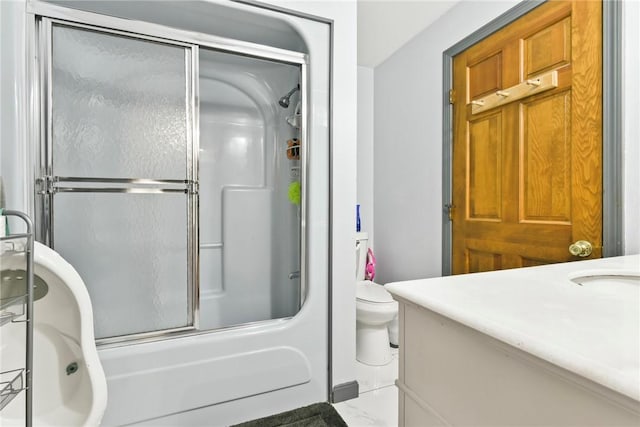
[527,174]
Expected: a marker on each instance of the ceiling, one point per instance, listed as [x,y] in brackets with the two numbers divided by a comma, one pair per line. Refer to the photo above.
[384,26]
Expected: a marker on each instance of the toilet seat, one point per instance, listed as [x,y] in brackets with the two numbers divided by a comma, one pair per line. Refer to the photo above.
[371,292]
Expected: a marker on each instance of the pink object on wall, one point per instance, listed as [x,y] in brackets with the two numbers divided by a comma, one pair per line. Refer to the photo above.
[370,268]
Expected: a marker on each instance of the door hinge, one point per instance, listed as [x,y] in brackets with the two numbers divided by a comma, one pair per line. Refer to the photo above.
[448,208]
[452,96]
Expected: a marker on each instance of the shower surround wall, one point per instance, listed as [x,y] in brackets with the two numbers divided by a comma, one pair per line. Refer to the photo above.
[236,373]
[249,230]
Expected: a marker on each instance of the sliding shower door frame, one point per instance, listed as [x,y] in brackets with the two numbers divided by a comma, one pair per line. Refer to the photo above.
[45,185]
[48,184]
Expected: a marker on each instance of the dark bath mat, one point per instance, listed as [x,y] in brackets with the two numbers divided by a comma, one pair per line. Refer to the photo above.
[316,415]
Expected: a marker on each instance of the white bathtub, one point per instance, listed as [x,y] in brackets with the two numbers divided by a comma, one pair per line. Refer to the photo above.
[69,386]
[549,345]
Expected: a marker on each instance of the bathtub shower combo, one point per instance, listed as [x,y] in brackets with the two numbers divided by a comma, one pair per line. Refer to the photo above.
[130,188]
[181,169]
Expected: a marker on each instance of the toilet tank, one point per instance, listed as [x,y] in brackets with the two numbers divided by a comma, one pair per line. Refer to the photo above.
[362,239]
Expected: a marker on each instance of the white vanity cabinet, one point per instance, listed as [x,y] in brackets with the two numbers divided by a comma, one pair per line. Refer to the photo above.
[493,350]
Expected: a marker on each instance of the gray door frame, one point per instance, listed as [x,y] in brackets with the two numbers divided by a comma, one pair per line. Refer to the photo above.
[612,201]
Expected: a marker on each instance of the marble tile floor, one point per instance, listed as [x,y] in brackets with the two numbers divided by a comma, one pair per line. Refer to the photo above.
[377,404]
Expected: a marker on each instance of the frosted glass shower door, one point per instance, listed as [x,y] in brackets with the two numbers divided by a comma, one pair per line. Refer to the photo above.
[119,174]
[131,255]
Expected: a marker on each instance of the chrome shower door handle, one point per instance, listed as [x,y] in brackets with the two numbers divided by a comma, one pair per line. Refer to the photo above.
[581,248]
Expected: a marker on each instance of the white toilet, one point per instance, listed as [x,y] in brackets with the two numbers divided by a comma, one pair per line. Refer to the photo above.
[375,308]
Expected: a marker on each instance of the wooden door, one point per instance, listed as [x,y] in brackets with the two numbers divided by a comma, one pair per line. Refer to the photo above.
[527,154]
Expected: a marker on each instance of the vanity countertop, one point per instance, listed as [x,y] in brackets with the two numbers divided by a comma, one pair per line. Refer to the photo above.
[592,329]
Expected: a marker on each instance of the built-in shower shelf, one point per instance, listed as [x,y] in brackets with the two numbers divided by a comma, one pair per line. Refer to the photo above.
[11,383]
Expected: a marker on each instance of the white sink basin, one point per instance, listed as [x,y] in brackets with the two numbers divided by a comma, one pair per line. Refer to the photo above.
[607,281]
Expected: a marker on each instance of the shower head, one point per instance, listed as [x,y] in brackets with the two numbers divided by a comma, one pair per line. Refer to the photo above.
[284,101]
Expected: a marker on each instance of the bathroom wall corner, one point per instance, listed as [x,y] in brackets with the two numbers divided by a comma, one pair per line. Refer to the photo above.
[408,144]
[13,105]
[365,150]
[631,127]
[343,15]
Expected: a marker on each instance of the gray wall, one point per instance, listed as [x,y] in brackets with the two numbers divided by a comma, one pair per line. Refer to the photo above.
[631,132]
[408,142]
[13,104]
[408,145]
[365,150]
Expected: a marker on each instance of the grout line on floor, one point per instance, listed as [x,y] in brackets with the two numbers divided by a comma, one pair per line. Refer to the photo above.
[379,388]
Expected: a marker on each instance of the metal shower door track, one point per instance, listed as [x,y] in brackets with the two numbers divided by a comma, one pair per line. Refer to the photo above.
[165,34]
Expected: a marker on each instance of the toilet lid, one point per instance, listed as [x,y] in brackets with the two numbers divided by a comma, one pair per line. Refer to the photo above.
[372,292]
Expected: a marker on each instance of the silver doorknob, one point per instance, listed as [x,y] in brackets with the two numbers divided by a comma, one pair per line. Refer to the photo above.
[581,248]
